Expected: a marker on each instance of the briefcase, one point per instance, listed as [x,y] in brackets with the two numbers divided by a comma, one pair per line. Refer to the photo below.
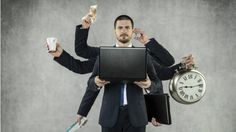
[158,106]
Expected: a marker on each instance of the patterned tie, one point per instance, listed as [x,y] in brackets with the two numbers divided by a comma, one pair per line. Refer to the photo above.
[122,94]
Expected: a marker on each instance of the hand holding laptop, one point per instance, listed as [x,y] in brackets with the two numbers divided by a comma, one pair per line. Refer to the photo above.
[144,84]
[99,82]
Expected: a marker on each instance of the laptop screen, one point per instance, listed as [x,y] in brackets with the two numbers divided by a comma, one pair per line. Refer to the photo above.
[122,64]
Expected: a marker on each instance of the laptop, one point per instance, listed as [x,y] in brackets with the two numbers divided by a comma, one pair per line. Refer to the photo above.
[122,64]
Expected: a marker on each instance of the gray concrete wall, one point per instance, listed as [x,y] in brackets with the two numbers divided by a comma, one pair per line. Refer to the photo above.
[39,95]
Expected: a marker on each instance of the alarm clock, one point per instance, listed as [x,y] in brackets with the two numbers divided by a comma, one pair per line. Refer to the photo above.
[187,86]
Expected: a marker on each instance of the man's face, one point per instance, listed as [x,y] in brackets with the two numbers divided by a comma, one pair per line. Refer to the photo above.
[123,31]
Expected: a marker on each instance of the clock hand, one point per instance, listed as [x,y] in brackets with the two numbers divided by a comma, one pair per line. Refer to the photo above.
[186,86]
[197,85]
[191,86]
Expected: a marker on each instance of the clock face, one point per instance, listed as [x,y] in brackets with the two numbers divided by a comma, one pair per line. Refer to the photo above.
[191,87]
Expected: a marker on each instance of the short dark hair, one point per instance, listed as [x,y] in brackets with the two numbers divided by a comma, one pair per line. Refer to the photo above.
[123,17]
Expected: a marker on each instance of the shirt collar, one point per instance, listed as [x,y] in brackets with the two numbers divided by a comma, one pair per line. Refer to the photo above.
[130,44]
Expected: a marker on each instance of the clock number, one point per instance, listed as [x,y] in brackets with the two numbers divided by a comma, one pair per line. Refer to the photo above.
[181,82]
[199,90]
[200,85]
[191,97]
[195,77]
[196,95]
[185,78]
[190,76]
[182,93]
[180,88]
[199,80]
[186,96]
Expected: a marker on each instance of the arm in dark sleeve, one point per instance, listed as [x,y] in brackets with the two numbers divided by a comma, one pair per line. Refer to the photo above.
[87,102]
[91,82]
[156,84]
[81,47]
[77,66]
[159,53]
[90,95]
[166,73]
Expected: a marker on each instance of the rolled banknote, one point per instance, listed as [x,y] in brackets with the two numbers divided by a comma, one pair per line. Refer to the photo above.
[76,126]
[93,12]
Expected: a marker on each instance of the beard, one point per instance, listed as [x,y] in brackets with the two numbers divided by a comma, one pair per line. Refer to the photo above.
[124,38]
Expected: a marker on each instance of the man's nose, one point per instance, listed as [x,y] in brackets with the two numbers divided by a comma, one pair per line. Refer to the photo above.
[123,30]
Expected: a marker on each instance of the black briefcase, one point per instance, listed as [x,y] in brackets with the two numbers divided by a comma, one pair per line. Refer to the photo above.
[158,106]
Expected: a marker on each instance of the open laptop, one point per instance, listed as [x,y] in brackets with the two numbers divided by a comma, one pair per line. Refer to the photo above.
[122,64]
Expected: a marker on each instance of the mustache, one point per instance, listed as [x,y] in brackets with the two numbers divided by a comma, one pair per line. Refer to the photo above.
[124,34]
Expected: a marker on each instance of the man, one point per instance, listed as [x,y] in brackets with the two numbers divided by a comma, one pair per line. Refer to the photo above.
[83,67]
[77,66]
[123,107]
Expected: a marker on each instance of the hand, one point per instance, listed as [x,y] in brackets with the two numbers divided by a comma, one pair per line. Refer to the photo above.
[99,82]
[188,61]
[144,84]
[58,51]
[86,21]
[79,118]
[155,122]
[143,38]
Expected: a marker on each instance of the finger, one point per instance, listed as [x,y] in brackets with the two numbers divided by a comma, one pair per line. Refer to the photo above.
[189,62]
[107,82]
[155,122]
[138,82]
[88,18]
[136,30]
[142,33]
[87,21]
[189,58]
[158,124]
[101,81]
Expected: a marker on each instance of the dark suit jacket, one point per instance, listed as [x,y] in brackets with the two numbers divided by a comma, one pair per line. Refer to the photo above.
[83,67]
[111,98]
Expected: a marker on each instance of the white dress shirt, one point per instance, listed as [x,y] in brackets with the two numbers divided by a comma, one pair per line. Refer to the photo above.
[125,85]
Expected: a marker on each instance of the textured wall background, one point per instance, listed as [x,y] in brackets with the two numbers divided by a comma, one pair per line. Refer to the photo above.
[39,95]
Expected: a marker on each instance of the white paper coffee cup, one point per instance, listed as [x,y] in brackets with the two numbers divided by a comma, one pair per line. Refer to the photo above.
[51,42]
